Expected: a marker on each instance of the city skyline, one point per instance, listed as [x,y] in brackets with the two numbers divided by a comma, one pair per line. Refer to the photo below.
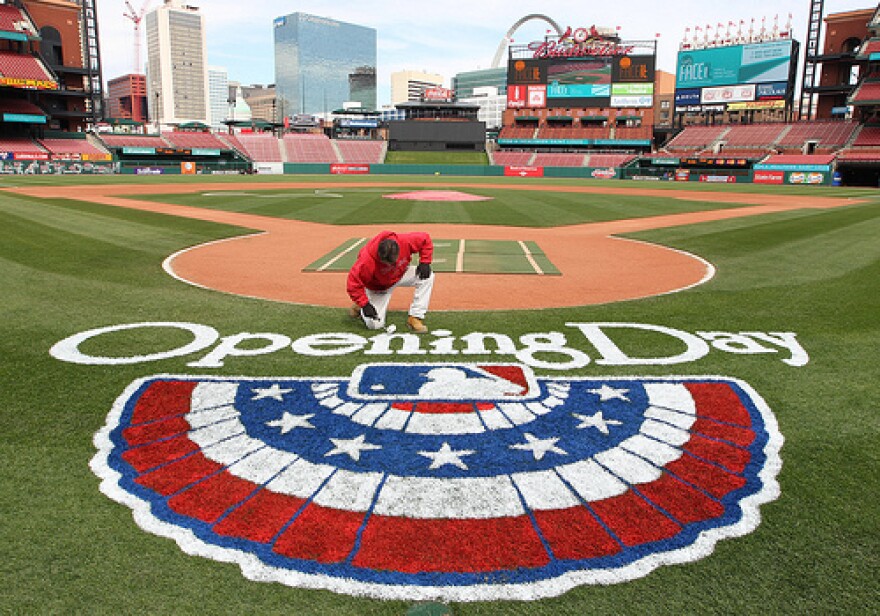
[462,37]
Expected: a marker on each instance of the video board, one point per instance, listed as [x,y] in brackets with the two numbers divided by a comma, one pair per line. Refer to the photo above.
[584,81]
[750,76]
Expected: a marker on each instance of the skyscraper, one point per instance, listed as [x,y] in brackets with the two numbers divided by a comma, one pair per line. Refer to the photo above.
[218,80]
[411,85]
[322,63]
[177,64]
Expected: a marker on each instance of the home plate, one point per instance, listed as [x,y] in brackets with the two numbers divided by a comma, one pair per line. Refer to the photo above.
[437,195]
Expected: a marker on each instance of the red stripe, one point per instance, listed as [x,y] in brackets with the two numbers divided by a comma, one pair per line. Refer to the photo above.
[415,545]
[261,517]
[574,533]
[177,475]
[683,502]
[163,399]
[719,401]
[147,433]
[514,374]
[321,534]
[730,457]
[152,455]
[734,434]
[209,499]
[716,481]
[633,520]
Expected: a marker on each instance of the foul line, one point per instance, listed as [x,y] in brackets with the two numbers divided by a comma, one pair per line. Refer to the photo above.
[342,254]
[530,259]
[459,262]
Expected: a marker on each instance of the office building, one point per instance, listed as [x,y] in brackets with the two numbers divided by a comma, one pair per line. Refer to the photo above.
[218,96]
[465,83]
[410,86]
[322,63]
[176,65]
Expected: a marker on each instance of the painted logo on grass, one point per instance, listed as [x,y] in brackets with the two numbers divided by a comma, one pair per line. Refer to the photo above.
[442,481]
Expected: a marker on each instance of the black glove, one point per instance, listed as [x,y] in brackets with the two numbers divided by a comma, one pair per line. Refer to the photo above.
[369,311]
[423,270]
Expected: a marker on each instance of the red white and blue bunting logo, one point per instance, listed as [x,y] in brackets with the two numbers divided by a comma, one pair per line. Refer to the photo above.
[458,482]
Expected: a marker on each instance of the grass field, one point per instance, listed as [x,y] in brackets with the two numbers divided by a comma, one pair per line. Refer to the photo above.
[69,266]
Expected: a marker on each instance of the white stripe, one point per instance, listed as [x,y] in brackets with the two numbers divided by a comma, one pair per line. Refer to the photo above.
[349,491]
[262,465]
[530,259]
[369,413]
[200,419]
[331,402]
[207,436]
[664,432]
[348,409]
[393,419]
[301,479]
[591,481]
[671,396]
[628,466]
[658,453]
[495,419]
[679,420]
[538,408]
[440,423]
[232,450]
[342,254]
[544,490]
[517,413]
[456,498]
[459,261]
[206,396]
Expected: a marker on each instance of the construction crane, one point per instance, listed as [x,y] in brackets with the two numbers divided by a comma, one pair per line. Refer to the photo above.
[136,18]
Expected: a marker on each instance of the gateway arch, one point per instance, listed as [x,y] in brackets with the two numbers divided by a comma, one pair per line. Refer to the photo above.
[496,62]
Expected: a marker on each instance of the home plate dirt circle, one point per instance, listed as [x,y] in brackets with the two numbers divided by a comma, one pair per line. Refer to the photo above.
[597,266]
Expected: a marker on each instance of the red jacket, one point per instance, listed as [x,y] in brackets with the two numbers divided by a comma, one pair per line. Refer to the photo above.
[370,273]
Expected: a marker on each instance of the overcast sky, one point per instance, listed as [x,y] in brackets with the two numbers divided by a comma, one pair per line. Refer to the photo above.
[458,35]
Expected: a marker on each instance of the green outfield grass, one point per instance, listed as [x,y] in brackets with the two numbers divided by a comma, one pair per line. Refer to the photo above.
[69,266]
[436,158]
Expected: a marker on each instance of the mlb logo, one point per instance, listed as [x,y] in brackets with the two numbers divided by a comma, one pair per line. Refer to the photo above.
[455,481]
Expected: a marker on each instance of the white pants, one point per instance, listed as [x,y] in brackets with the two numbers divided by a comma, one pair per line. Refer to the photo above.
[419,306]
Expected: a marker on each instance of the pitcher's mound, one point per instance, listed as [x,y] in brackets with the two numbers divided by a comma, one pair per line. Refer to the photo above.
[437,195]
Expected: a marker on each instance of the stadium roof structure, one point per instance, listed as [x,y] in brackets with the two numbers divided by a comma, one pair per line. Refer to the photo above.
[358,111]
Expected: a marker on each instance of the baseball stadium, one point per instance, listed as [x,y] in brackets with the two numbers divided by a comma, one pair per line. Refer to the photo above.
[647,382]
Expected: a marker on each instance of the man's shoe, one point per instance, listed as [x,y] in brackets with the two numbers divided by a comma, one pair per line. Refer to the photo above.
[354,311]
[415,325]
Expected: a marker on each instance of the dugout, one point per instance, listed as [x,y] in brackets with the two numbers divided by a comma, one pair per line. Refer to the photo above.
[437,126]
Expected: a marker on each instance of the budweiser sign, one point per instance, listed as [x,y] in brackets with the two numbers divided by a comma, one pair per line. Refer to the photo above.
[580,42]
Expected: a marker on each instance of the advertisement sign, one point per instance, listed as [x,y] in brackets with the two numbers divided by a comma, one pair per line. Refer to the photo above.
[806,178]
[719,179]
[687,98]
[438,94]
[537,96]
[727,94]
[28,84]
[524,172]
[735,64]
[768,177]
[771,91]
[527,71]
[25,118]
[682,175]
[633,68]
[632,101]
[756,105]
[187,167]
[624,89]
[604,174]
[341,169]
[516,97]
[138,150]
